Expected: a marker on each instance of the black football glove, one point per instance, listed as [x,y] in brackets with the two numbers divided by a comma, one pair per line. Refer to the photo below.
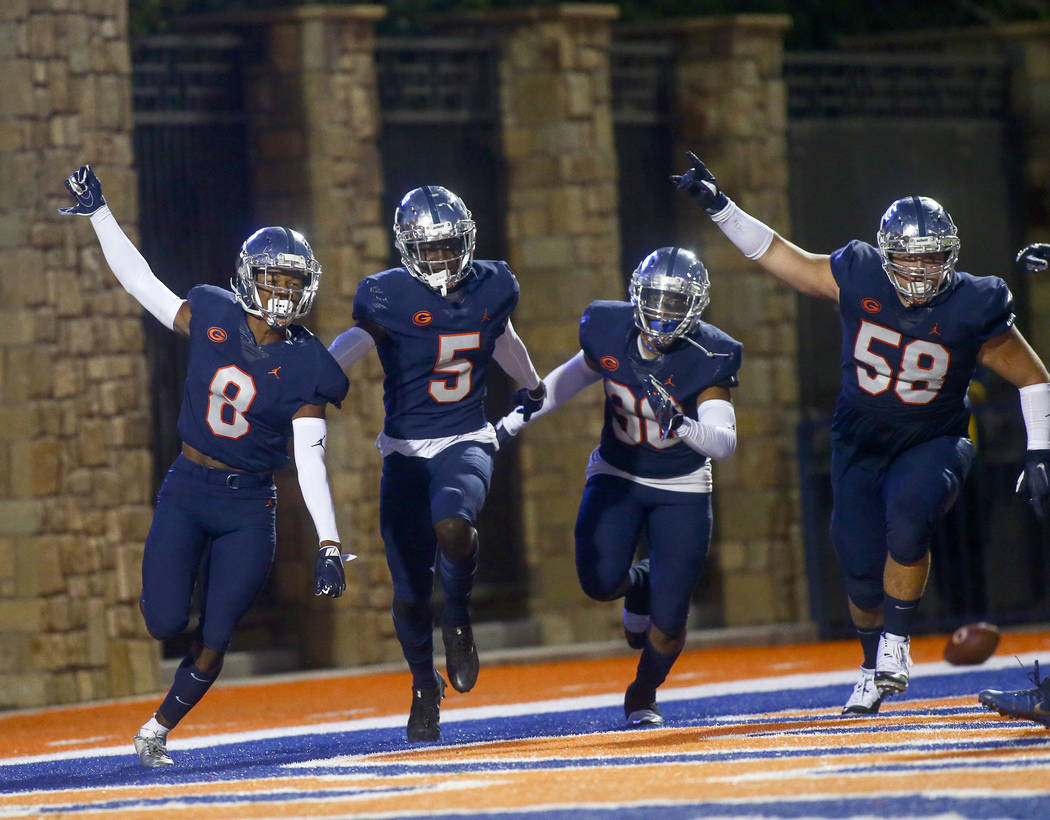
[1034,482]
[666,412]
[329,578]
[85,187]
[701,186]
[1034,258]
[528,402]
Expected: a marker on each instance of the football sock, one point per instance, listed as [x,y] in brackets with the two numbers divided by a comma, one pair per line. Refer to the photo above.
[414,625]
[869,642]
[153,725]
[654,666]
[898,615]
[457,581]
[187,689]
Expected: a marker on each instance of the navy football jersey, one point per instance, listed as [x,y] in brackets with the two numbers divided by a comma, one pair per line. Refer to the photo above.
[906,370]
[631,436]
[239,398]
[440,347]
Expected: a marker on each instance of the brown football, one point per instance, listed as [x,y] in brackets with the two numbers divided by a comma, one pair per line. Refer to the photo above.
[972,644]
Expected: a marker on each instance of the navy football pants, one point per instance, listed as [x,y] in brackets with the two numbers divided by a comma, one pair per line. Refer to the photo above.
[417,492]
[612,516]
[892,511]
[198,513]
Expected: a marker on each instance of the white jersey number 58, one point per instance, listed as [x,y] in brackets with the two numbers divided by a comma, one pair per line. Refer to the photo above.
[922,363]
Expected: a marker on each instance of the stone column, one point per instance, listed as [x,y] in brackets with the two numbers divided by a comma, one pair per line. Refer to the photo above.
[730,108]
[74,392]
[563,245]
[313,109]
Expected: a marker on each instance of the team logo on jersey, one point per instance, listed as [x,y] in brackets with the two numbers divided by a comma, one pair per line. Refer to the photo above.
[274,372]
[423,318]
[216,334]
[871,305]
[609,362]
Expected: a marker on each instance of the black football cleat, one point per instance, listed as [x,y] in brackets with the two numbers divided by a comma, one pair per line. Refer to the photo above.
[640,709]
[461,657]
[424,719]
[1024,704]
[636,608]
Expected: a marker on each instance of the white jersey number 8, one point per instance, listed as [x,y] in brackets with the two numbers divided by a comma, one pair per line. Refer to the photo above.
[240,401]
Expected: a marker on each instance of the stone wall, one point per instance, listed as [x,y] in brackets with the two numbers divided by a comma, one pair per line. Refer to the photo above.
[74,392]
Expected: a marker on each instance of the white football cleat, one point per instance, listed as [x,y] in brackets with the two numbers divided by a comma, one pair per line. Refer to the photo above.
[866,697]
[892,664]
[152,749]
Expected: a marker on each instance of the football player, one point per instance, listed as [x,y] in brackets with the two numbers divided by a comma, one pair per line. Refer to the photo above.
[1027,704]
[436,322]
[668,412]
[914,330]
[254,380]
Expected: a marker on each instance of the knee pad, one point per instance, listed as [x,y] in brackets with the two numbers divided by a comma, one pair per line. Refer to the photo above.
[599,589]
[412,612]
[909,544]
[456,538]
[865,593]
[162,628]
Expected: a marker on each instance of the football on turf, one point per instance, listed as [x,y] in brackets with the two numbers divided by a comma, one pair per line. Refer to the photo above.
[972,644]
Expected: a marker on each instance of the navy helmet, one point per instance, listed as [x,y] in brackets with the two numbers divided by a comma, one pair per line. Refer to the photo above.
[276,250]
[669,291]
[434,233]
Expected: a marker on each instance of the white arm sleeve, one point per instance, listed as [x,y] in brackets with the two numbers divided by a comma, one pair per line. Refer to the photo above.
[751,236]
[1035,407]
[563,382]
[132,271]
[309,437]
[714,434]
[511,355]
[350,346]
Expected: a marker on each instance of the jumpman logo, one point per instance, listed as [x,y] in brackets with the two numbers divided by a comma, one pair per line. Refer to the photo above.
[936,330]
[274,371]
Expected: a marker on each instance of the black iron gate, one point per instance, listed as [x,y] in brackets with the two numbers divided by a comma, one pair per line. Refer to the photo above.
[440,126]
[641,74]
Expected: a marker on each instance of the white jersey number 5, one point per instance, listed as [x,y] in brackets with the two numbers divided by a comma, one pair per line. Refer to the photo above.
[448,390]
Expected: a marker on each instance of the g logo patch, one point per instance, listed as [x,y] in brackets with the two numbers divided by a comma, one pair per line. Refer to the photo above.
[609,362]
[216,334]
[871,305]
[422,318]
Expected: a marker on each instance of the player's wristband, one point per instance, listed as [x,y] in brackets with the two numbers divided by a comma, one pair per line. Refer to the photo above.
[751,236]
[1035,407]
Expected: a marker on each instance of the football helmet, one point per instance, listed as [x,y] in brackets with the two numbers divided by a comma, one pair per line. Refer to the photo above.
[669,290]
[919,245]
[276,250]
[434,233]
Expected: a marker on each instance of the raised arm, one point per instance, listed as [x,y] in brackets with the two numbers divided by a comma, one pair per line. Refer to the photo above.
[806,272]
[123,258]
